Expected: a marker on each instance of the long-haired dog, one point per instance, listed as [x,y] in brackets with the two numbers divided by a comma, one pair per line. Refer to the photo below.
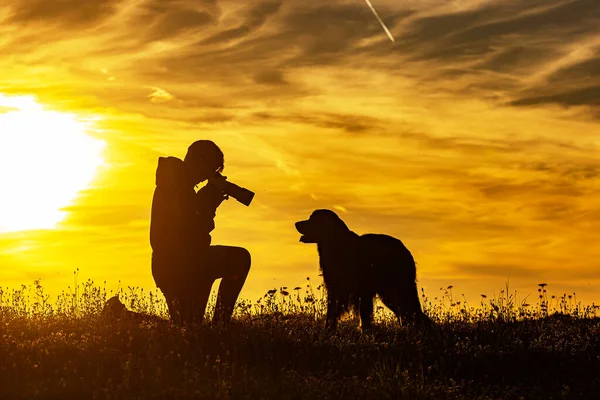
[358,267]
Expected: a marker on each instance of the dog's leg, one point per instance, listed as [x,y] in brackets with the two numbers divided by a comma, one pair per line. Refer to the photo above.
[415,311]
[404,302]
[333,312]
[392,300]
[412,306]
[366,312]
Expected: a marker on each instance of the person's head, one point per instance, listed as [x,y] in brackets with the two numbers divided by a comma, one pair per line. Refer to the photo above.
[203,159]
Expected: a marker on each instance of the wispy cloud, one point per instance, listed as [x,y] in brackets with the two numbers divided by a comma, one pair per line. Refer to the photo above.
[159,95]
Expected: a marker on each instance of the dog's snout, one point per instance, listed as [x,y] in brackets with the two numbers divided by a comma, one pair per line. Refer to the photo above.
[300,226]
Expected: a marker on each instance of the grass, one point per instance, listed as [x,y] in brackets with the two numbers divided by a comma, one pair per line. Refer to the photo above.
[277,348]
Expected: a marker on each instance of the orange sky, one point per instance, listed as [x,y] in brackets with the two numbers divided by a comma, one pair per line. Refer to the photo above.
[473,137]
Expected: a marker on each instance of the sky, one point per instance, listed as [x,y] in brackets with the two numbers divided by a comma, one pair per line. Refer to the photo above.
[473,136]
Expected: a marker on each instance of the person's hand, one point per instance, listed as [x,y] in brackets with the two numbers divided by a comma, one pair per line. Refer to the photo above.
[218,181]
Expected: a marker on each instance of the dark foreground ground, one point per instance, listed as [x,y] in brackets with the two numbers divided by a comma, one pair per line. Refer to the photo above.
[278,349]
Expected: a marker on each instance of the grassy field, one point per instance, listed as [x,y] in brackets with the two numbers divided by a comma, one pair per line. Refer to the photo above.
[277,348]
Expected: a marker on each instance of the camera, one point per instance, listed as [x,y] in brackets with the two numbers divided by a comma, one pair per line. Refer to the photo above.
[239,193]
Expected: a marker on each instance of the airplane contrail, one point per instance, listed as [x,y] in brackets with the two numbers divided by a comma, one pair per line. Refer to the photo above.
[380,21]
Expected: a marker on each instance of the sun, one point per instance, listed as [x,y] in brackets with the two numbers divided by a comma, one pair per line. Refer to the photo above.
[46,159]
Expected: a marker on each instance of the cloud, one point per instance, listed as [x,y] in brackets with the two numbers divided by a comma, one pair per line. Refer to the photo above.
[530,47]
[477,125]
[501,271]
[503,50]
[177,22]
[159,95]
[256,16]
[65,13]
[270,77]
[589,96]
[4,109]
[351,123]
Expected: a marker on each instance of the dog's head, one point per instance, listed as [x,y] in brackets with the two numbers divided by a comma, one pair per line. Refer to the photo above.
[322,226]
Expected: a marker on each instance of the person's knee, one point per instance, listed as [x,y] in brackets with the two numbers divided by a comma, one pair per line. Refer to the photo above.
[245,260]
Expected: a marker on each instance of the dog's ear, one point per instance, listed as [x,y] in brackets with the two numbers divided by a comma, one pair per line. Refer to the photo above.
[331,225]
[340,225]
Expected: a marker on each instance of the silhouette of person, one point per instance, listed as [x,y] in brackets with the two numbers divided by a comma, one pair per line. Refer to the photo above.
[184,263]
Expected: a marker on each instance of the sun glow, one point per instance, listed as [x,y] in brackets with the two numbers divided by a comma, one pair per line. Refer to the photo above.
[46,159]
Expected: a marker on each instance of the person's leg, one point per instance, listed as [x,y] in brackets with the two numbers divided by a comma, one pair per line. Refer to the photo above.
[185,290]
[162,267]
[232,264]
[199,298]
[174,306]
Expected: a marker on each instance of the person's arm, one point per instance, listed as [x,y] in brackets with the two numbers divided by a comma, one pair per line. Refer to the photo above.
[208,199]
